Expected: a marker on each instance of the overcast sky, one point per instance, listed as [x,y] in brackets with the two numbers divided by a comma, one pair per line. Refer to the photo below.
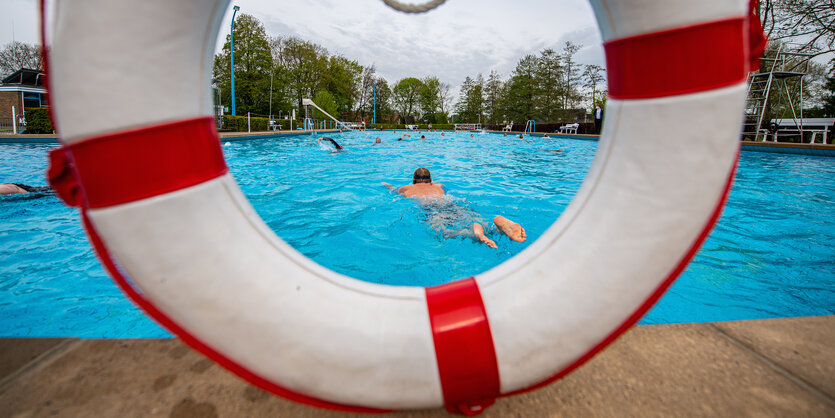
[458,39]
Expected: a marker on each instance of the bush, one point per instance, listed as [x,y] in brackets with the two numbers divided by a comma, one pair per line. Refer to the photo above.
[37,121]
[401,126]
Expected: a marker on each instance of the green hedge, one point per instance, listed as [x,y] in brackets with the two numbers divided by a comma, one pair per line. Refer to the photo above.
[401,126]
[256,124]
[37,121]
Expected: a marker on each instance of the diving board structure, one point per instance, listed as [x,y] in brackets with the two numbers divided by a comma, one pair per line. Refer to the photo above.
[309,102]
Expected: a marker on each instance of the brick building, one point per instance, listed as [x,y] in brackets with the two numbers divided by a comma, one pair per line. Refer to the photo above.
[23,89]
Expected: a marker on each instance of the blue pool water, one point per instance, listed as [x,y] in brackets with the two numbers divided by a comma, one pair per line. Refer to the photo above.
[771,254]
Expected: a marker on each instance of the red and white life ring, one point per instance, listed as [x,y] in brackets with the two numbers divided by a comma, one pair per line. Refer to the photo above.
[183,242]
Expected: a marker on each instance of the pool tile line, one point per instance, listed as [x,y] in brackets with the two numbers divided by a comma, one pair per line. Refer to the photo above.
[809,387]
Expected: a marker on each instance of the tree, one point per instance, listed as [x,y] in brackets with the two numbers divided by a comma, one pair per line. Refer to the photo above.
[430,99]
[365,94]
[521,90]
[253,64]
[342,80]
[829,95]
[305,64]
[571,74]
[16,55]
[471,101]
[406,95]
[808,22]
[384,100]
[445,93]
[593,75]
[327,102]
[492,97]
[549,74]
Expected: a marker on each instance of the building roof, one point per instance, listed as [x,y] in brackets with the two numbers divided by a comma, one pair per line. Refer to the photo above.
[25,77]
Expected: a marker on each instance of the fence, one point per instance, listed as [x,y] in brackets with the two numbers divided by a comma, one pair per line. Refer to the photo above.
[6,126]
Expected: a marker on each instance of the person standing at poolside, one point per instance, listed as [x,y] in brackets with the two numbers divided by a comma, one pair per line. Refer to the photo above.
[598,118]
[423,188]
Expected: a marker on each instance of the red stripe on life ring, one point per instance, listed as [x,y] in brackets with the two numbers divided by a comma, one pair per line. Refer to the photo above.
[463,346]
[133,165]
[678,61]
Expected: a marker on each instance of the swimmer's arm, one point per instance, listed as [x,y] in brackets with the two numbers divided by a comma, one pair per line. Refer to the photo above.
[391,188]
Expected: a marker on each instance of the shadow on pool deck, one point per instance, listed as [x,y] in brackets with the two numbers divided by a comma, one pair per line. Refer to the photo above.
[773,367]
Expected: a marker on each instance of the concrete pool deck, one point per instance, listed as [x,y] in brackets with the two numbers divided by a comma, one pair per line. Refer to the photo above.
[771,367]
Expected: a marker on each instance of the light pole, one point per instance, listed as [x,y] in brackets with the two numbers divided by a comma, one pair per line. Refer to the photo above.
[232,43]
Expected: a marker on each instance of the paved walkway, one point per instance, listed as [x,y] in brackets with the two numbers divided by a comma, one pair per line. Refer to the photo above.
[775,367]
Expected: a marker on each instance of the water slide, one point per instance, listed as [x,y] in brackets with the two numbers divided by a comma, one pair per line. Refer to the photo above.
[309,102]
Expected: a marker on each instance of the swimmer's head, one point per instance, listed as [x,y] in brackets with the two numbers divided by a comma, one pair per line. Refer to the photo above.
[421,176]
[377,141]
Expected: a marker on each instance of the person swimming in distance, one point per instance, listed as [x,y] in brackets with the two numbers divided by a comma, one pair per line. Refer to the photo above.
[505,134]
[337,147]
[17,188]
[429,194]
[422,138]
[521,136]
[377,140]
[443,133]
[404,135]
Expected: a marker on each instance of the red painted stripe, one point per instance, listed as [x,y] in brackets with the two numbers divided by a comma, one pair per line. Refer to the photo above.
[142,163]
[653,298]
[678,61]
[126,285]
[463,346]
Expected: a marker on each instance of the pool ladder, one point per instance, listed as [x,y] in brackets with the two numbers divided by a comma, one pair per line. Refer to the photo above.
[530,126]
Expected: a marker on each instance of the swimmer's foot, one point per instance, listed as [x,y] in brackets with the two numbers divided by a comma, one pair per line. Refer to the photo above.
[513,230]
[478,230]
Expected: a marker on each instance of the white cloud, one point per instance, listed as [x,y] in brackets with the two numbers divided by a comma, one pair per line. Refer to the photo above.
[460,38]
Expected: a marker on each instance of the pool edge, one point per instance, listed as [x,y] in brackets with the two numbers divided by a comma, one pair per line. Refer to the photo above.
[773,366]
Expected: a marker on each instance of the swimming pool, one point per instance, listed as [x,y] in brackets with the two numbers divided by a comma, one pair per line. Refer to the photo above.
[769,256]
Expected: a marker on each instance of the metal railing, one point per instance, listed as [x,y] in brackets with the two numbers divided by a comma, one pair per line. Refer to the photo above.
[530,126]
[7,125]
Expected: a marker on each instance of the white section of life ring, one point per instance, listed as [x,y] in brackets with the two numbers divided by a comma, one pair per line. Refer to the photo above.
[203,257]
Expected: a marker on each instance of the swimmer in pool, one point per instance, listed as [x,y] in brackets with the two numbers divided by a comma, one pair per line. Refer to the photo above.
[15,188]
[335,145]
[444,213]
[422,138]
[377,141]
[401,137]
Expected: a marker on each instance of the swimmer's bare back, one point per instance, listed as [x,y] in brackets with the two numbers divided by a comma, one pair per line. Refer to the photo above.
[419,189]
